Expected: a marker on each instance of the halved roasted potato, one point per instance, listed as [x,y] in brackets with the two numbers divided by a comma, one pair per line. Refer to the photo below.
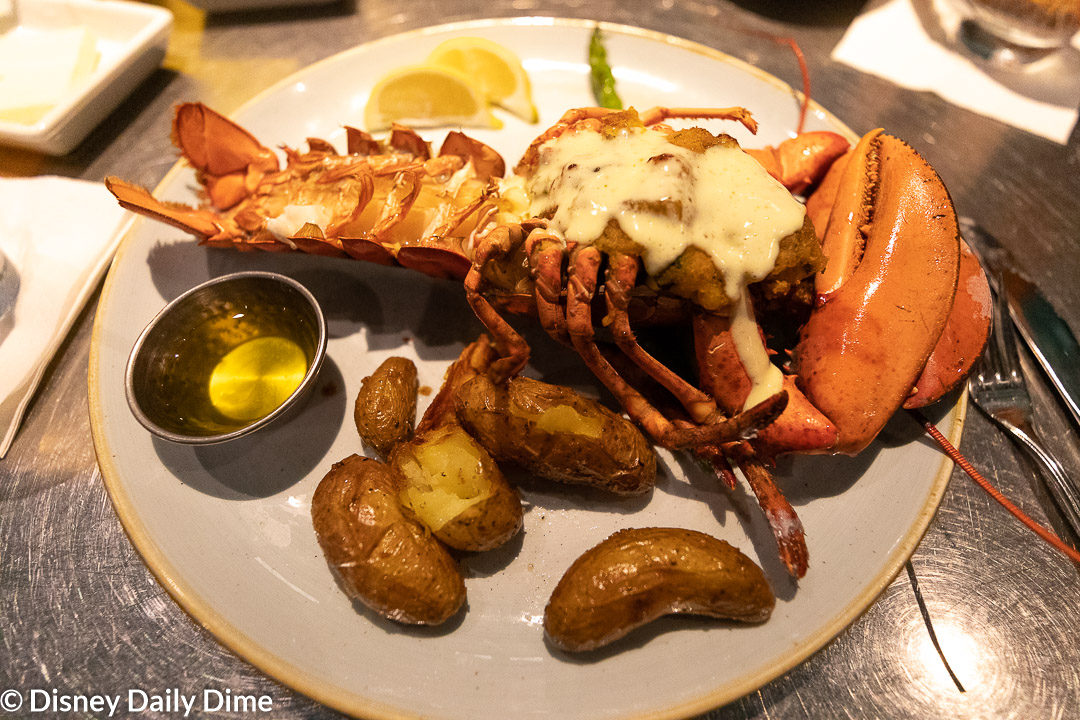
[384,558]
[453,486]
[557,433]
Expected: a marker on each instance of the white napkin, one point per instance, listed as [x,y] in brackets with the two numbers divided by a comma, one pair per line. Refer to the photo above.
[59,236]
[906,42]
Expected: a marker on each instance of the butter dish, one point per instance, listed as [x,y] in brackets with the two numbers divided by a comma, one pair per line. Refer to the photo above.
[126,41]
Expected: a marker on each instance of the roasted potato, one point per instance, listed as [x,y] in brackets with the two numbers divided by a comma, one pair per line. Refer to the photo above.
[448,480]
[635,576]
[384,559]
[385,407]
[454,487]
[557,433]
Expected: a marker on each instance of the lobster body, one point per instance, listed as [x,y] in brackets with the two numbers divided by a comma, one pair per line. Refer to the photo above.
[888,323]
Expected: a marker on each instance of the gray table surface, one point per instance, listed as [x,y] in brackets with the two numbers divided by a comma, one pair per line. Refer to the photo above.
[80,613]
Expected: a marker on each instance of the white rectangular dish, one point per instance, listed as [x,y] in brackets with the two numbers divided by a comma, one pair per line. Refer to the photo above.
[131,39]
[227,6]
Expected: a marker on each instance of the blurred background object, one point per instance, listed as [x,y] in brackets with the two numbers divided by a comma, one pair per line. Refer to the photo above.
[1018,30]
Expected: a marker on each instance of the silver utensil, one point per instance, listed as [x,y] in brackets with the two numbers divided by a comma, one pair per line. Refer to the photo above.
[1000,390]
[1047,335]
[9,285]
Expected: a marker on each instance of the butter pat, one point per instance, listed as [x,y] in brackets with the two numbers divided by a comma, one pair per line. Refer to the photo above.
[39,68]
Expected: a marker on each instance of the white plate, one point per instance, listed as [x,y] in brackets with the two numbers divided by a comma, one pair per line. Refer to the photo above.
[131,39]
[227,529]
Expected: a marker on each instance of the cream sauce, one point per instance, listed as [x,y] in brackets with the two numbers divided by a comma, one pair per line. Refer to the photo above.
[766,379]
[666,199]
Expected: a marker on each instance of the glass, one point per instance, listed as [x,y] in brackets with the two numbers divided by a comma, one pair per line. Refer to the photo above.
[1018,30]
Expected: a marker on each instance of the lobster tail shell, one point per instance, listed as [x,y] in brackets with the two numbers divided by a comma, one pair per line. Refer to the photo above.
[865,346]
[389,203]
[487,162]
[229,160]
[138,199]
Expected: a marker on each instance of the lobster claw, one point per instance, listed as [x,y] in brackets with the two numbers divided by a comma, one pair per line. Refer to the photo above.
[968,326]
[965,336]
[884,299]
[801,428]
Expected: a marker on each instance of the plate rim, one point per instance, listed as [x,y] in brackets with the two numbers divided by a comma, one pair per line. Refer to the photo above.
[292,676]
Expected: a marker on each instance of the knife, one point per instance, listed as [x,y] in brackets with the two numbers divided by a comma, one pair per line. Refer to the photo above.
[1048,336]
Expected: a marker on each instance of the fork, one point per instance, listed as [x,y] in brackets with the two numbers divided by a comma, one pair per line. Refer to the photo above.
[1000,390]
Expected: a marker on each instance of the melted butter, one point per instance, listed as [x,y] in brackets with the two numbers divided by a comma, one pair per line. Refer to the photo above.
[666,198]
[254,378]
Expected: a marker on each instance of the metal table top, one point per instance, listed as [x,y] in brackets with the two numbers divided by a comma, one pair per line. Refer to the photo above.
[80,613]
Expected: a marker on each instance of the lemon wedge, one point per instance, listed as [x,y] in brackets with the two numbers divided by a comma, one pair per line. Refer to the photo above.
[494,69]
[427,96]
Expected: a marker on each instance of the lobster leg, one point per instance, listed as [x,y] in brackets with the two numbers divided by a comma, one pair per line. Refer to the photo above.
[785,524]
[621,277]
[584,268]
[656,115]
[513,350]
[720,464]
[799,428]
[546,254]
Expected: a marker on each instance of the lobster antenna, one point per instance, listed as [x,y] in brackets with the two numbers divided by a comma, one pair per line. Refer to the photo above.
[804,69]
[957,457]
